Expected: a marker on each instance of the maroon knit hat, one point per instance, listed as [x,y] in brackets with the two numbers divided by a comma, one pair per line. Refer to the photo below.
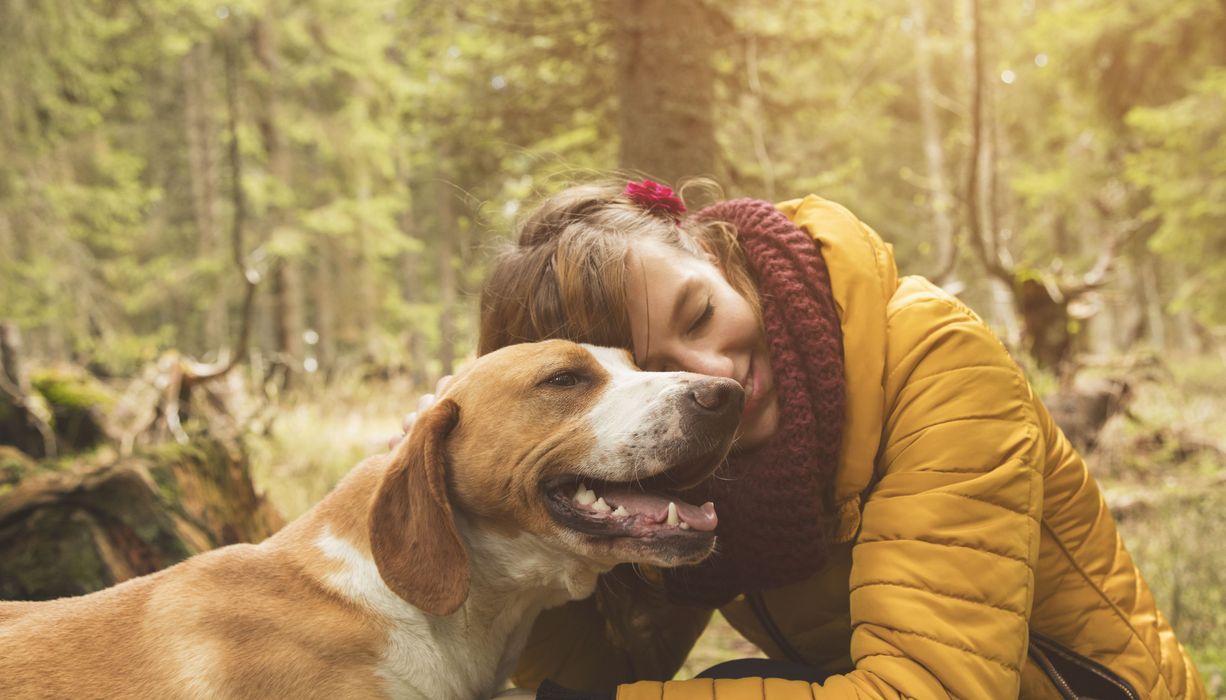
[774,500]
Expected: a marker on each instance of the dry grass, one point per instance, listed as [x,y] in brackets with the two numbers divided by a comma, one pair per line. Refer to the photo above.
[1164,474]
[312,443]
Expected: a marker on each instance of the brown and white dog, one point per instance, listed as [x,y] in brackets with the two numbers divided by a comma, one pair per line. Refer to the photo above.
[419,576]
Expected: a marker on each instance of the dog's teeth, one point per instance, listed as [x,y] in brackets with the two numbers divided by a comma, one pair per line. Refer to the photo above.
[621,512]
[585,496]
[685,526]
[600,506]
[673,518]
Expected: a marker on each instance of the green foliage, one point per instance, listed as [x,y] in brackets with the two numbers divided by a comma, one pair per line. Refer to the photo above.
[371,135]
[1182,164]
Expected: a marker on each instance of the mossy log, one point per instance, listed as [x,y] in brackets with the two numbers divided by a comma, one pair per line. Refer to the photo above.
[78,403]
[76,530]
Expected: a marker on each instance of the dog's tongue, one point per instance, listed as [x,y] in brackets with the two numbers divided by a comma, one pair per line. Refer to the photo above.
[655,507]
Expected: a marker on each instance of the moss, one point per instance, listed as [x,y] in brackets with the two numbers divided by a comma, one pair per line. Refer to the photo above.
[15,465]
[53,556]
[12,471]
[77,402]
[171,453]
[69,388]
[168,486]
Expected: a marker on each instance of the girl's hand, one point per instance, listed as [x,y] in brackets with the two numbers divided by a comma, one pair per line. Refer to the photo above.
[423,403]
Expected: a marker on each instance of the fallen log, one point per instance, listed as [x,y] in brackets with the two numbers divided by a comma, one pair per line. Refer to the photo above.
[76,530]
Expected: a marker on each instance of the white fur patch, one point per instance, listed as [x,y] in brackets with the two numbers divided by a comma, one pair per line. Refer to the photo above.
[359,579]
[636,410]
[410,651]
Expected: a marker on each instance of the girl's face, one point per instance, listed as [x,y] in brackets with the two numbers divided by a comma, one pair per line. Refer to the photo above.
[684,316]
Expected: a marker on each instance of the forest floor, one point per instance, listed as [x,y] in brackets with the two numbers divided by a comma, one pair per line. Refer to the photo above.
[1162,470]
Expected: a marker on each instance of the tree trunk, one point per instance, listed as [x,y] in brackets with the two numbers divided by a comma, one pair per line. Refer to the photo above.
[203,172]
[1082,408]
[941,201]
[445,249]
[665,86]
[325,289]
[409,272]
[10,358]
[287,319]
[1045,320]
[751,106]
[287,311]
[1155,318]
[24,423]
[367,296]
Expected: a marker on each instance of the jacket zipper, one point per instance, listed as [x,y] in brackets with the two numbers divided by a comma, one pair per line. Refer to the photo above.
[1047,644]
[1062,686]
[758,605]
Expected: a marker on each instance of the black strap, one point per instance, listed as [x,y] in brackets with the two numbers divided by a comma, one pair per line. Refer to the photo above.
[552,691]
[1077,677]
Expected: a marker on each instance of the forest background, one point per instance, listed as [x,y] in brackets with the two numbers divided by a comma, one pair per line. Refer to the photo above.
[279,213]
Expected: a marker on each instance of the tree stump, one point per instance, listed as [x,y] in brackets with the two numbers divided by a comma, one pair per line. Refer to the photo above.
[1083,408]
[70,532]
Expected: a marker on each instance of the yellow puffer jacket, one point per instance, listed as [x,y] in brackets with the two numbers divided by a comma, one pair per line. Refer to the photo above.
[967,522]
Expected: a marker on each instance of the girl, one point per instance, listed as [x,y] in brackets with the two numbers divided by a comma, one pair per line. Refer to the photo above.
[900,516]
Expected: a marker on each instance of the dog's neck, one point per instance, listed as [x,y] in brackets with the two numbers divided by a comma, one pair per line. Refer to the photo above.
[522,566]
[512,579]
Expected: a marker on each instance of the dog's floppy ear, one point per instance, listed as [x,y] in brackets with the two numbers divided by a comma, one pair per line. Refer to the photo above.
[413,535]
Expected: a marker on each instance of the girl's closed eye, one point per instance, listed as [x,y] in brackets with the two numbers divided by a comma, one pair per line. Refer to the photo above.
[702,319]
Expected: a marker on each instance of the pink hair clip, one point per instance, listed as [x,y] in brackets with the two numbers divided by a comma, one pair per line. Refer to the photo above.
[655,198]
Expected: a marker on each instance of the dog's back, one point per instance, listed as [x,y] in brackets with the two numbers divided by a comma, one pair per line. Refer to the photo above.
[228,623]
[11,610]
[48,648]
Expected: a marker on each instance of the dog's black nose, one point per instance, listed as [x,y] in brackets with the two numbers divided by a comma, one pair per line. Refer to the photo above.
[716,394]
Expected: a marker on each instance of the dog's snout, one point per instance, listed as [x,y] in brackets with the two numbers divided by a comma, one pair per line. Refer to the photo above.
[717,395]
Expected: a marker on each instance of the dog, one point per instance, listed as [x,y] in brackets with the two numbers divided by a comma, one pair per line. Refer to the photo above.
[419,576]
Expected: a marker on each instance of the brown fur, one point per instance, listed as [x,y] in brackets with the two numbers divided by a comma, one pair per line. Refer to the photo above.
[413,535]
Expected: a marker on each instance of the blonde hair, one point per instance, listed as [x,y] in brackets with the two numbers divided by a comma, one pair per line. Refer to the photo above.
[564,276]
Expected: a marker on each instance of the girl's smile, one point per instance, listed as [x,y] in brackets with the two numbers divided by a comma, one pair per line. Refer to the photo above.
[685,316]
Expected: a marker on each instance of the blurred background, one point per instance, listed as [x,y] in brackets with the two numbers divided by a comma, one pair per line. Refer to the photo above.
[238,239]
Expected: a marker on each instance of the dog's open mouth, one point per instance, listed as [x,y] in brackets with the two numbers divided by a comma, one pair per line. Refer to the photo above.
[610,509]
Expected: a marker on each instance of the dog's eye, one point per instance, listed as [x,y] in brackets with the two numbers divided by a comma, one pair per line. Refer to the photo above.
[563,379]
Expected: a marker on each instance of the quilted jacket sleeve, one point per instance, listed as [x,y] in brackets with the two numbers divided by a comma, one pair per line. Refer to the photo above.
[942,577]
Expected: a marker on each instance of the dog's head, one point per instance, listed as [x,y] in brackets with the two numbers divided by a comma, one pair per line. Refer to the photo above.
[570,443]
